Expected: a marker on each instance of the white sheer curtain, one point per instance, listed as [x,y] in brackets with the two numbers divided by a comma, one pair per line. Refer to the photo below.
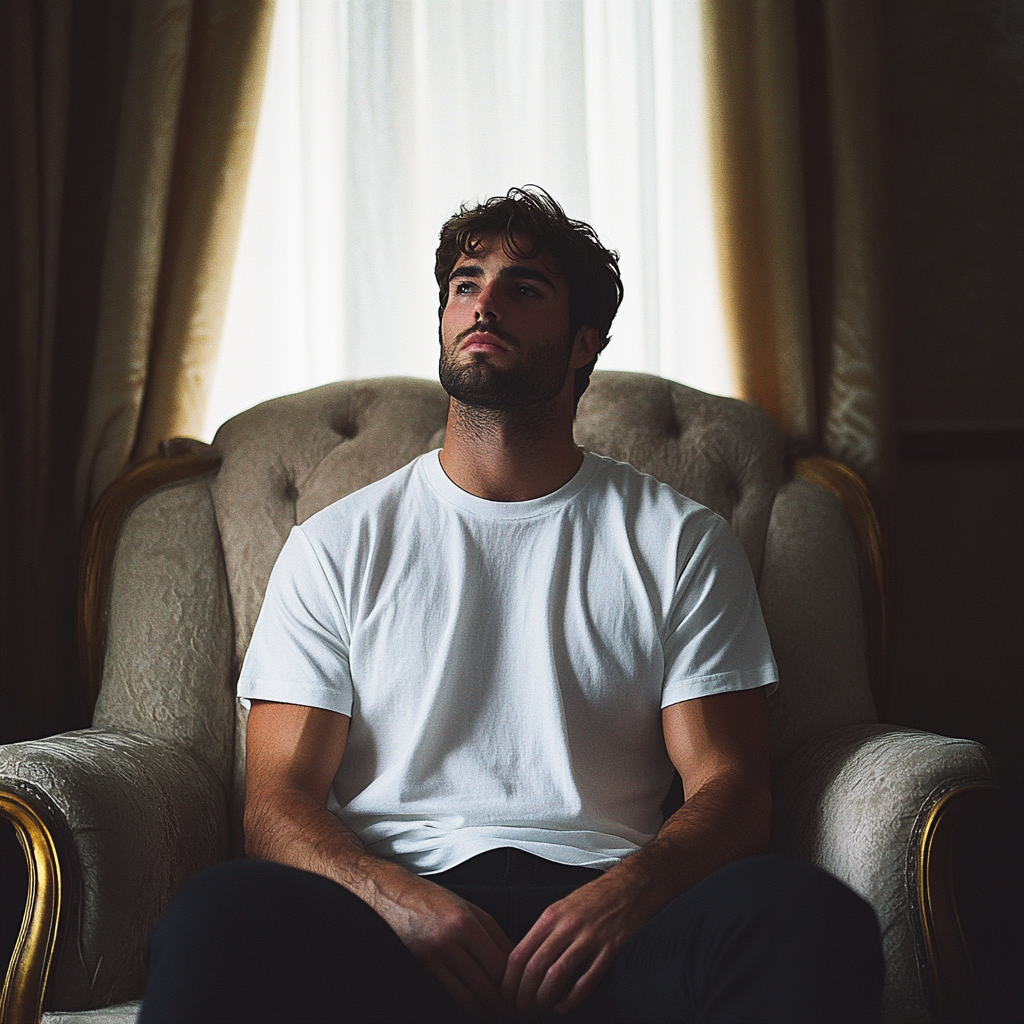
[381,116]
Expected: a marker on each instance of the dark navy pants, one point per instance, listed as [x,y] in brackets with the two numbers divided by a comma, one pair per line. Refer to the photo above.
[764,939]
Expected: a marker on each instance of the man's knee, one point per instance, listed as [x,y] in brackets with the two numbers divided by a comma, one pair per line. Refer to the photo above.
[764,938]
[236,913]
[794,891]
[257,941]
[791,903]
[226,907]
[800,929]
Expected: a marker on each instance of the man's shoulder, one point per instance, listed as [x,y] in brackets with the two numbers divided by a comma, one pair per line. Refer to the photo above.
[638,488]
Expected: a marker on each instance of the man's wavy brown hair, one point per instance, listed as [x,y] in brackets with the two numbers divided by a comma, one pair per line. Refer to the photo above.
[529,222]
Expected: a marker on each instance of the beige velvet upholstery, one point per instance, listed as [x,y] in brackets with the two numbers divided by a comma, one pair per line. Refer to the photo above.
[122,1013]
[154,790]
[851,800]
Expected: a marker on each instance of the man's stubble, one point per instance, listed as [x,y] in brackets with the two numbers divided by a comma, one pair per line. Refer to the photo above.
[479,384]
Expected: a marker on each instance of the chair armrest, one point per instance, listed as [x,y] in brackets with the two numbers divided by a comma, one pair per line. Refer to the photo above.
[130,819]
[864,803]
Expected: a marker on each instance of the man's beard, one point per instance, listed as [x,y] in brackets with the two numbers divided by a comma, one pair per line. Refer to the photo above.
[480,384]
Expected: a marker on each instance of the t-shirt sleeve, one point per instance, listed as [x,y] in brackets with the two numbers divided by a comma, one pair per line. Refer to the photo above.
[715,637]
[299,649]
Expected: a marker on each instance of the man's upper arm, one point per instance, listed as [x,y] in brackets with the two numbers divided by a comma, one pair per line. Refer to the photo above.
[715,640]
[294,747]
[298,653]
[721,734]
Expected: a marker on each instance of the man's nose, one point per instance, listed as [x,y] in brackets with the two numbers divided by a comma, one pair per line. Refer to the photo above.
[488,304]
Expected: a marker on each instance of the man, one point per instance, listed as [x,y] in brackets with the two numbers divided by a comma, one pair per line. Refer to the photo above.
[470,684]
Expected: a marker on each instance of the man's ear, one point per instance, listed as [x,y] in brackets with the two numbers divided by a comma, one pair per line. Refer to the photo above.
[584,347]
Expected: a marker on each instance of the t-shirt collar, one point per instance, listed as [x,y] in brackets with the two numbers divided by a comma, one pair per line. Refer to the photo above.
[443,486]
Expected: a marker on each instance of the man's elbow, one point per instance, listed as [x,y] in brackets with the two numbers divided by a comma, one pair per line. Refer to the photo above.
[261,823]
[252,831]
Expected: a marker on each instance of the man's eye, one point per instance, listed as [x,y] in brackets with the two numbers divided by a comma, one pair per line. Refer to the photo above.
[525,289]
[462,287]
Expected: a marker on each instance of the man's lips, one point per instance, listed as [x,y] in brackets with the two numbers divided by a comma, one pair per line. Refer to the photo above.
[483,341]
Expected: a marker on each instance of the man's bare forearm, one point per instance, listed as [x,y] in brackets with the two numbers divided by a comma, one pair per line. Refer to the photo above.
[294,753]
[720,746]
[459,943]
[728,818]
[288,826]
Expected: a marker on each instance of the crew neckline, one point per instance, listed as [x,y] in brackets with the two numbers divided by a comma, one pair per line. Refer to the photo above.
[453,494]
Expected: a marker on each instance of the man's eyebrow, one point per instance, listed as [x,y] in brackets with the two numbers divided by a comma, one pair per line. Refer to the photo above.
[516,271]
[466,270]
[526,274]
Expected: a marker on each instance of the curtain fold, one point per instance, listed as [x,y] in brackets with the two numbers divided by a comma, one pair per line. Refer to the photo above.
[195,79]
[157,61]
[125,134]
[754,127]
[797,150]
[855,424]
[59,67]
[220,108]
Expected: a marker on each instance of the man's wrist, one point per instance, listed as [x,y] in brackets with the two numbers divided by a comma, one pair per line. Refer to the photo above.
[387,887]
[646,879]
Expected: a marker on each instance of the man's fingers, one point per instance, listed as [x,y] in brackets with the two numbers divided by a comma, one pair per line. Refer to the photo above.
[519,958]
[494,930]
[584,986]
[493,947]
[556,975]
[464,976]
[516,964]
[480,957]
[556,967]
[555,963]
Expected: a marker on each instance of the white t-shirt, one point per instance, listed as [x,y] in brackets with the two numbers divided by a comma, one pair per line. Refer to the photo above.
[505,664]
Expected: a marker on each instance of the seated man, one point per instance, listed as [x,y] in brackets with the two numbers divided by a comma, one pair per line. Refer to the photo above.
[470,685]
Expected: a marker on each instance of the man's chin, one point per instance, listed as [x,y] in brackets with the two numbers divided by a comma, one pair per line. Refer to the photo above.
[479,394]
[480,385]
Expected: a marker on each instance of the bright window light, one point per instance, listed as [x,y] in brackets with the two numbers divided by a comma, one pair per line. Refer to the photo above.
[380,117]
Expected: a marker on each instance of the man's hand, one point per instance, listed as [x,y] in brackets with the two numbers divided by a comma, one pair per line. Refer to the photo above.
[719,745]
[461,945]
[293,754]
[566,953]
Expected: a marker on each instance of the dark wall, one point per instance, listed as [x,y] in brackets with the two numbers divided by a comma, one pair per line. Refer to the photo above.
[957,126]
[956,93]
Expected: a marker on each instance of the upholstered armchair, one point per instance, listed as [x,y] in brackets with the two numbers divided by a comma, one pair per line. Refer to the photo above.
[116,817]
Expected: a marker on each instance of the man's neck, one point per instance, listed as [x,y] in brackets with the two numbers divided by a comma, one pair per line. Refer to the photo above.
[505,455]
